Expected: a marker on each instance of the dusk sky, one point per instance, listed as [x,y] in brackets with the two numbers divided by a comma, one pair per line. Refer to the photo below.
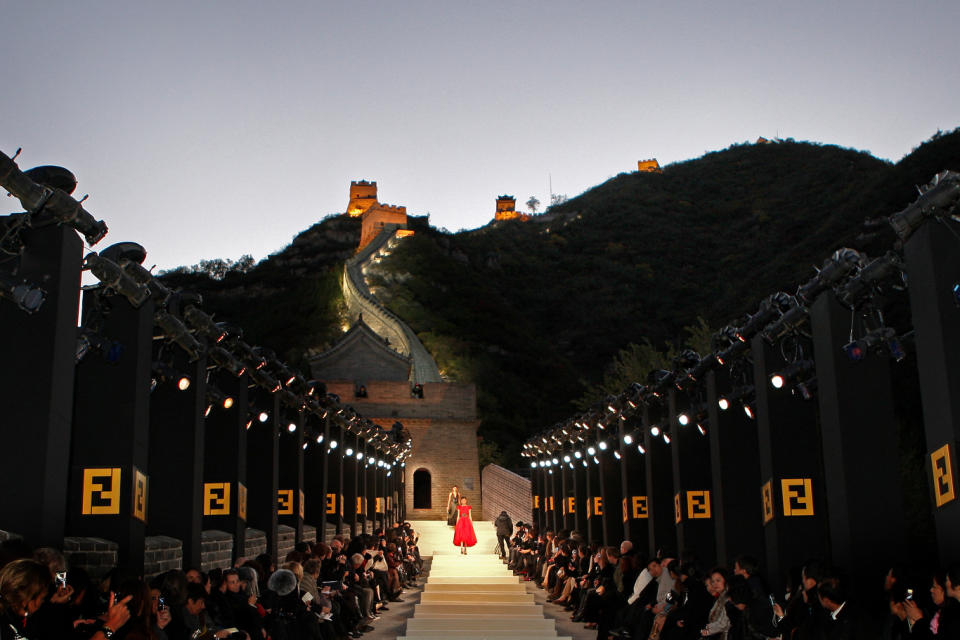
[216,129]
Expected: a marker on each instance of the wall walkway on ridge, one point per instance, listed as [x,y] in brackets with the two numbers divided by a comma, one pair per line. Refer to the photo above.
[359,300]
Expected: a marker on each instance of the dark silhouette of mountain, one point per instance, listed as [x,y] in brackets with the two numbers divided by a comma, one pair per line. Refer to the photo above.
[534,311]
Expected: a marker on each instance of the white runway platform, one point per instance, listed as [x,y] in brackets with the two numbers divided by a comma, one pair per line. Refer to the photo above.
[473,597]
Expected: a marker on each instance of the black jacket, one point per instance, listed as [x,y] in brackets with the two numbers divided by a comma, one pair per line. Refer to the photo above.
[504,524]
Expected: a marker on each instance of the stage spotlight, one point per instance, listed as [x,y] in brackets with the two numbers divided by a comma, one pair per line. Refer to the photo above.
[748,410]
[225,360]
[27,297]
[555,461]
[641,449]
[591,451]
[320,438]
[178,333]
[227,402]
[263,416]
[855,350]
[577,455]
[163,372]
[805,389]
[956,293]
[595,461]
[371,460]
[584,463]
[603,445]
[683,419]
[723,403]
[616,454]
[115,279]
[359,455]
[204,324]
[939,195]
[896,349]
[566,458]
[348,451]
[655,431]
[628,439]
[666,438]
[333,444]
[776,381]
[700,428]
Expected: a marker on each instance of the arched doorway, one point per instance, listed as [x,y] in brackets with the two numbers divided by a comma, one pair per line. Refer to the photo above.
[421,489]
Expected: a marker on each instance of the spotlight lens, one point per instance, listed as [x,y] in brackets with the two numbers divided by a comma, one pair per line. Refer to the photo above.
[641,449]
[291,427]
[655,431]
[555,461]
[723,403]
[566,458]
[603,445]
[577,455]
[359,455]
[264,416]
[333,444]
[628,439]
[776,381]
[304,446]
[227,402]
[666,438]
[349,451]
[183,383]
[747,409]
[319,438]
[616,454]
[591,451]
[683,419]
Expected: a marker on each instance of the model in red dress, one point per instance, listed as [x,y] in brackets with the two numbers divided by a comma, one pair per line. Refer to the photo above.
[464,535]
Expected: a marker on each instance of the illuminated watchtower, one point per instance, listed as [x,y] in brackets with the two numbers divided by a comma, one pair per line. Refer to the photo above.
[363,195]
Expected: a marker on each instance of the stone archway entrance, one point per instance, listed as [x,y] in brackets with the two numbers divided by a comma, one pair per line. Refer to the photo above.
[421,489]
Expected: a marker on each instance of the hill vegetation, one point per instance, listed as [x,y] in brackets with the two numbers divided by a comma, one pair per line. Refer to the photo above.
[545,315]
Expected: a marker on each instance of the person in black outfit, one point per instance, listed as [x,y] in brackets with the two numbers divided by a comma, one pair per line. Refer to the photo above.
[504,529]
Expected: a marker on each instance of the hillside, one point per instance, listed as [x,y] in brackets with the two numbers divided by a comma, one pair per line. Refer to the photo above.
[533,312]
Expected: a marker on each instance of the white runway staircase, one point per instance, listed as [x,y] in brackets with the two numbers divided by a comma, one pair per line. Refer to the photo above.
[472,597]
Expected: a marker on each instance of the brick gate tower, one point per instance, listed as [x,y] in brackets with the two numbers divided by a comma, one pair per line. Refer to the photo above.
[381,368]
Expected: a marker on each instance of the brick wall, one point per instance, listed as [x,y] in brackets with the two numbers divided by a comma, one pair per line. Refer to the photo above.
[286,541]
[255,543]
[216,550]
[94,555]
[388,401]
[506,491]
[161,554]
[448,451]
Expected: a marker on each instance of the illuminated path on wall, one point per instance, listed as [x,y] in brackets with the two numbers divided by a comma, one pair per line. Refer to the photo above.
[474,596]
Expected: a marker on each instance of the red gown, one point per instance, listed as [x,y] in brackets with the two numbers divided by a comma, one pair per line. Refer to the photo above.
[464,533]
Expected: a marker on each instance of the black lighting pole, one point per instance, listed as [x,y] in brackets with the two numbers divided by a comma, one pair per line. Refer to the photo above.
[735,465]
[659,475]
[625,459]
[316,467]
[176,456]
[225,462]
[690,451]
[566,489]
[111,427]
[263,473]
[338,457]
[861,465]
[356,499]
[933,266]
[290,494]
[38,347]
[792,494]
[579,494]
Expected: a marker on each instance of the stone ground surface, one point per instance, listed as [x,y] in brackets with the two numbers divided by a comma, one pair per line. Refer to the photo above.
[469,592]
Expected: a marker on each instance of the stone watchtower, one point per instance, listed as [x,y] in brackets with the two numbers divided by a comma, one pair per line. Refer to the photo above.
[507,209]
[363,195]
[649,166]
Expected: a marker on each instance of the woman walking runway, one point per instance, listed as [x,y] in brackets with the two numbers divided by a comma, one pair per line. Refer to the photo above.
[464,536]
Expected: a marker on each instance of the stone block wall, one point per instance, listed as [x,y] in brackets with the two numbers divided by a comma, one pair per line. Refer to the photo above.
[216,550]
[286,541]
[309,533]
[161,554]
[506,491]
[94,555]
[448,451]
[255,543]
